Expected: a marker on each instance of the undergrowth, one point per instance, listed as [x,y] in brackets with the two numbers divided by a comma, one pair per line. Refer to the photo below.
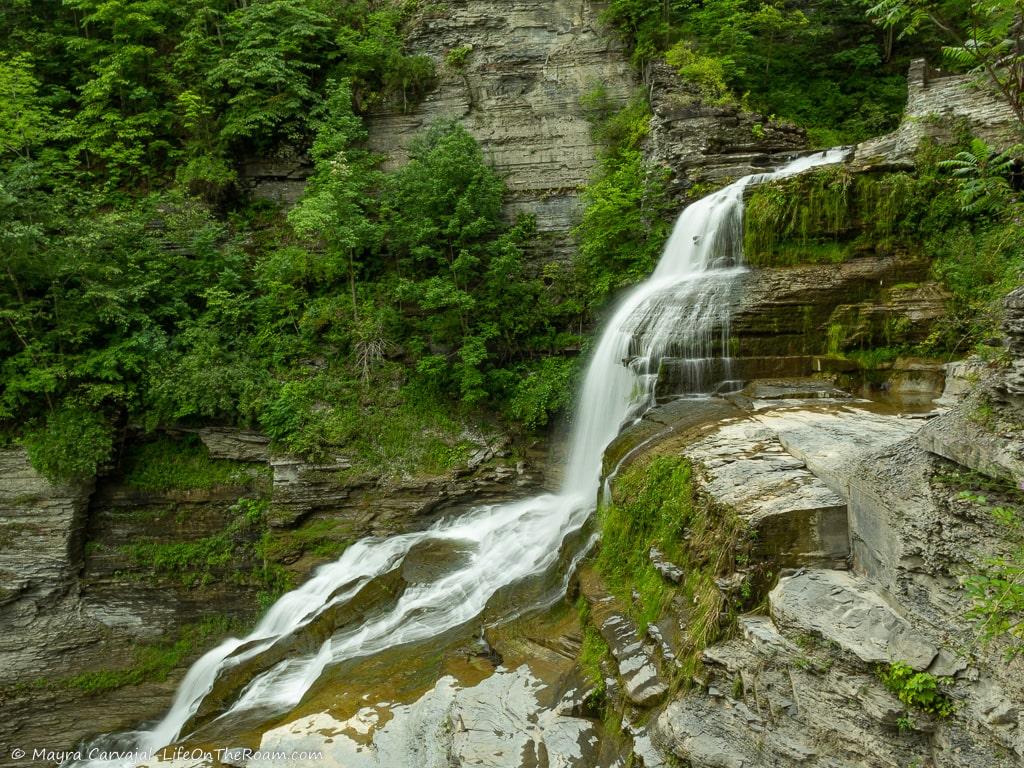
[165,464]
[921,691]
[656,504]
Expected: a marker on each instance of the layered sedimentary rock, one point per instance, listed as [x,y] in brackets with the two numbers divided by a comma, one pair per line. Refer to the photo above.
[801,685]
[518,90]
[521,73]
[1013,328]
[707,145]
[41,527]
[938,104]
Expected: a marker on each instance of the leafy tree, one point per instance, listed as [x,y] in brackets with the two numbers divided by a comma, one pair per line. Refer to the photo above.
[25,119]
[332,210]
[274,48]
[985,37]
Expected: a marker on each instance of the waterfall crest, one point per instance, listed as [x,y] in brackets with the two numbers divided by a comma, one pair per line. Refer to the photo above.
[678,311]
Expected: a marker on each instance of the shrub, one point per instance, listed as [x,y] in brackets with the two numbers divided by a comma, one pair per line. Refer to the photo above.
[920,690]
[72,445]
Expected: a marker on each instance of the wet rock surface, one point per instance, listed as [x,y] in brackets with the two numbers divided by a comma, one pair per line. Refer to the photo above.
[77,606]
[501,723]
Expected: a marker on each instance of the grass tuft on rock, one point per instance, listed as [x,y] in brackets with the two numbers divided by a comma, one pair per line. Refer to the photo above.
[656,504]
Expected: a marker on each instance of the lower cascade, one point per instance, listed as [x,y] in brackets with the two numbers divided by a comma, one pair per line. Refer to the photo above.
[681,311]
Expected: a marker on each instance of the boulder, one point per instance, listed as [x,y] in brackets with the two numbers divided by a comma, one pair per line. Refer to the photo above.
[799,519]
[850,612]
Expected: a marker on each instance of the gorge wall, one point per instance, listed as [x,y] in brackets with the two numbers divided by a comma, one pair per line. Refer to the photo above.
[515,75]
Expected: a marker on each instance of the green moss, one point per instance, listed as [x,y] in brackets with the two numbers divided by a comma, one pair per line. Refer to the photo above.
[325,538]
[236,553]
[166,464]
[386,433]
[152,662]
[656,505]
[831,214]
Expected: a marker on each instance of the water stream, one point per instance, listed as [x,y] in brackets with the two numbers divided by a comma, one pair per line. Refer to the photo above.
[681,311]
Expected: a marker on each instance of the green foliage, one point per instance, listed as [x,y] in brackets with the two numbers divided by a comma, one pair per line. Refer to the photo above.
[920,690]
[972,242]
[986,38]
[593,651]
[74,443]
[708,73]
[165,464]
[25,118]
[984,177]
[997,591]
[119,304]
[545,389]
[625,218]
[820,65]
[456,58]
[323,538]
[655,505]
[831,214]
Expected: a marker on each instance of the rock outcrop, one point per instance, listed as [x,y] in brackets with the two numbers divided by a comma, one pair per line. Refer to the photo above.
[937,105]
[709,145]
[1013,328]
[802,685]
[527,67]
[41,534]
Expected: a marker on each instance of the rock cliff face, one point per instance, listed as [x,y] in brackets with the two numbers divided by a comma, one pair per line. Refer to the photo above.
[937,105]
[93,624]
[518,90]
[706,146]
[867,517]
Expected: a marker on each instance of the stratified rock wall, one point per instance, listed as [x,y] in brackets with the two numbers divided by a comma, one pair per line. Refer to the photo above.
[518,92]
[706,145]
[40,531]
[937,105]
[1013,327]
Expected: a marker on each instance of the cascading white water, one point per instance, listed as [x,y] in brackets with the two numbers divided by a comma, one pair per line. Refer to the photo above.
[677,310]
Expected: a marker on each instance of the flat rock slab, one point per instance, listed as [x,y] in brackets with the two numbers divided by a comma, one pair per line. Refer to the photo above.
[851,613]
[498,723]
[830,441]
[800,520]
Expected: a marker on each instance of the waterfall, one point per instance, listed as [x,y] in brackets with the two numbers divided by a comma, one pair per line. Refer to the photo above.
[676,312]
